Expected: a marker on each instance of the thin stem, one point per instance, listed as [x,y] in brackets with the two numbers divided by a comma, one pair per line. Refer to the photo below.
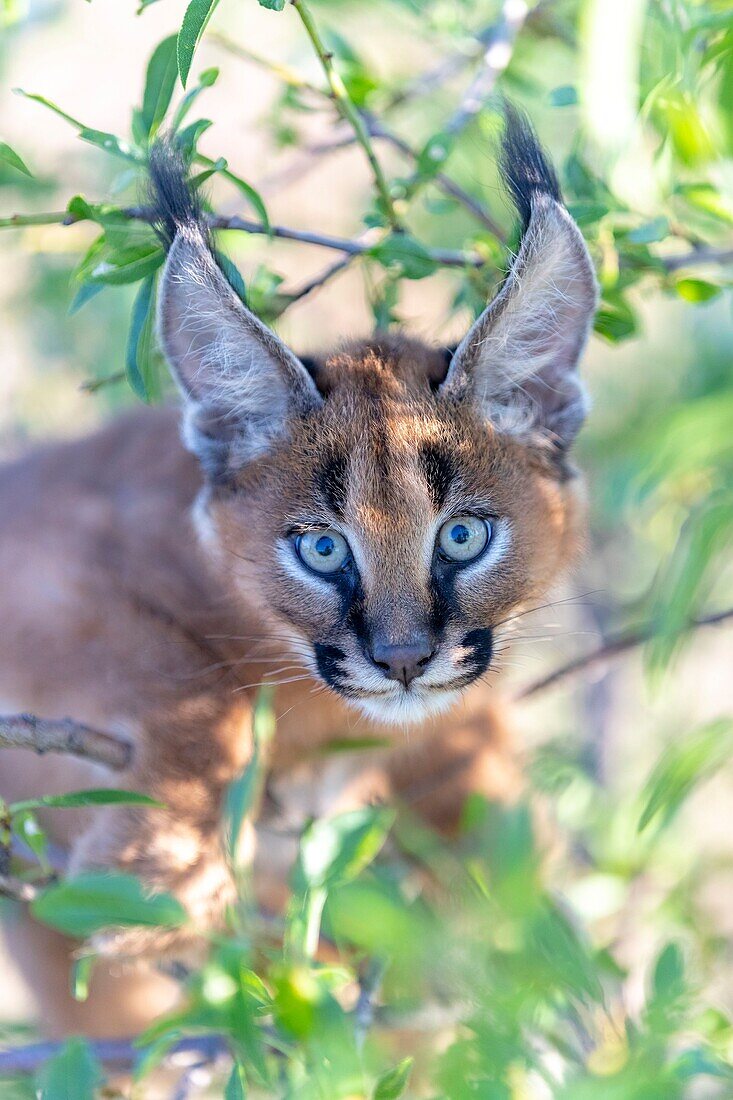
[348,110]
[42,735]
[500,47]
[17,890]
[614,647]
[445,257]
[288,75]
[54,217]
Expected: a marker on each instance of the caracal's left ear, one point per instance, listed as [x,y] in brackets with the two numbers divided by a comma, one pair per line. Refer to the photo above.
[519,361]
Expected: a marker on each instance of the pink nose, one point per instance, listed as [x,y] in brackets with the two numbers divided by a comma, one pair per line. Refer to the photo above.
[404,661]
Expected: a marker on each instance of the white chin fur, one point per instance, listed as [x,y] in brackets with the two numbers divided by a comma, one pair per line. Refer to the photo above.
[406,708]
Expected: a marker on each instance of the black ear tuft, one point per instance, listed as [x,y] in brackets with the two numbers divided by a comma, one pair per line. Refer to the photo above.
[176,206]
[526,171]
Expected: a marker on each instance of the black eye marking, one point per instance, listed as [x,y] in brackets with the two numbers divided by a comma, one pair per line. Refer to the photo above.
[439,469]
[480,643]
[332,481]
[328,659]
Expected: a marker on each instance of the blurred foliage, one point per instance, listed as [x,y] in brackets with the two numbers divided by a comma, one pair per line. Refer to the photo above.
[406,966]
[459,971]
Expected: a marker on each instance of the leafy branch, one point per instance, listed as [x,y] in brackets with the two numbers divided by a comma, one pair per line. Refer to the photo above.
[42,735]
[348,111]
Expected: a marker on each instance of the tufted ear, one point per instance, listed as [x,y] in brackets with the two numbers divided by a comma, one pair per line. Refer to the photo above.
[240,382]
[519,361]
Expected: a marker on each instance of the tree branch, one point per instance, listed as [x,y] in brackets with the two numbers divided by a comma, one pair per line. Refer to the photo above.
[444,257]
[500,47]
[613,647]
[115,1053]
[17,890]
[698,257]
[348,110]
[41,735]
[376,128]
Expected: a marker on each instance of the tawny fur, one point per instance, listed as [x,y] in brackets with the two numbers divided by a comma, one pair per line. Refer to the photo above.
[114,613]
[148,595]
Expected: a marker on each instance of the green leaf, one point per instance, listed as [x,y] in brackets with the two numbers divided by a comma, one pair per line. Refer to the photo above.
[240,799]
[51,106]
[706,198]
[615,320]
[81,974]
[128,265]
[81,209]
[696,290]
[9,156]
[26,826]
[725,90]
[194,23]
[252,196]
[434,154]
[201,177]
[587,211]
[110,143]
[655,230]
[668,979]
[160,82]
[82,905]
[393,1083]
[683,581]
[101,797]
[84,294]
[72,1074]
[233,275]
[681,767]
[140,340]
[207,79]
[403,252]
[272,5]
[189,136]
[566,95]
[236,1086]
[336,849]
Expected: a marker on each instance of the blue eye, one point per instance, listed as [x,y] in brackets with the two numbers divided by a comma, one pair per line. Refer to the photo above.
[464,538]
[324,550]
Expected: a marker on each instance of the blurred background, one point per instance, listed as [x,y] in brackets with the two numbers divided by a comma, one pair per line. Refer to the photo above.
[634,102]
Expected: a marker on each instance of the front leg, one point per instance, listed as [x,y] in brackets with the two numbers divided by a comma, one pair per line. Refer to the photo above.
[178,847]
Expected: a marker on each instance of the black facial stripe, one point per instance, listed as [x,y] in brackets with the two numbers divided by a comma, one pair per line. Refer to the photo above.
[439,469]
[328,659]
[480,643]
[332,481]
[355,614]
[443,604]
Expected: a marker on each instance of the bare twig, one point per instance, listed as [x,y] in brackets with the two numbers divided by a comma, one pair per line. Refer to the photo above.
[496,58]
[41,735]
[611,648]
[365,1008]
[369,237]
[115,1053]
[698,257]
[317,280]
[378,130]
[348,110]
[444,257]
[15,888]
[283,72]
[449,67]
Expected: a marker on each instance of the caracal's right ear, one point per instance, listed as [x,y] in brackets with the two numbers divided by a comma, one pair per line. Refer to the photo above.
[239,381]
